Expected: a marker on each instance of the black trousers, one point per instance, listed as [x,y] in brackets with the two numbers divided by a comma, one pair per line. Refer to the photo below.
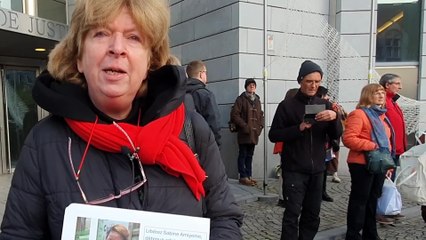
[366,188]
[302,198]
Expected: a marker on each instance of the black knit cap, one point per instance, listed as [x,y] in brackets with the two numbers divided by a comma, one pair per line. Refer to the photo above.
[248,81]
[306,68]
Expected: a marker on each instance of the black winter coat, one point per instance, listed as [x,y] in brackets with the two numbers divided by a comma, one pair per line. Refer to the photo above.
[43,184]
[303,151]
[205,104]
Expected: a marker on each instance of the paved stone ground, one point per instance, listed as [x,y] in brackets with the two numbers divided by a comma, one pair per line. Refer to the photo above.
[263,219]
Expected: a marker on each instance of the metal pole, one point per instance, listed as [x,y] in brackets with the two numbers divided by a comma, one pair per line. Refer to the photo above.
[372,39]
[265,93]
[30,7]
[67,9]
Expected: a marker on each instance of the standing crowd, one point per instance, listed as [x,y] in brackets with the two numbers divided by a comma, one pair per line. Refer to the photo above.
[130,130]
[309,127]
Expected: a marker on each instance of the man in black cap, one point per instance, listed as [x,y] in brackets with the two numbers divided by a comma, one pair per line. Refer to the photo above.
[247,114]
[303,123]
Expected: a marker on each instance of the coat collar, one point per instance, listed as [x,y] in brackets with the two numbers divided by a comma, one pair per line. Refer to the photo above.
[166,90]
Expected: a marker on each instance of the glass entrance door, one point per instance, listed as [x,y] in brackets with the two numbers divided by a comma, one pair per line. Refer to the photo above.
[19,112]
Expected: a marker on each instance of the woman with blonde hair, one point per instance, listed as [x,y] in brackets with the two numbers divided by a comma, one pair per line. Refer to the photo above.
[115,136]
[367,128]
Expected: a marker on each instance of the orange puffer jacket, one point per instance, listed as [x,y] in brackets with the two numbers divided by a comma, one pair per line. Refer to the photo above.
[357,136]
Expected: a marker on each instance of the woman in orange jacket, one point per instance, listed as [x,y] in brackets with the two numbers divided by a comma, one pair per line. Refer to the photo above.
[366,187]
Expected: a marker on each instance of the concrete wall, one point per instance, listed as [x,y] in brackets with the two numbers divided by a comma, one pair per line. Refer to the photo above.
[296,29]
[208,30]
[353,24]
[228,36]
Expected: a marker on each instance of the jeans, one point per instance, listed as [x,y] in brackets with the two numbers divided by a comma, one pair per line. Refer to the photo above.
[302,198]
[245,159]
[366,188]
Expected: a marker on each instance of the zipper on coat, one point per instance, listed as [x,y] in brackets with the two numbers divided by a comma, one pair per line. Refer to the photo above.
[311,146]
[311,142]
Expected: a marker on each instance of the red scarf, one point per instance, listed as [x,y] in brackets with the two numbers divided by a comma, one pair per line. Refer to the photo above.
[158,141]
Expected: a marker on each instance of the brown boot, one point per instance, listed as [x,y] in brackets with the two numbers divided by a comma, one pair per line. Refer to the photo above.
[253,181]
[245,181]
[384,220]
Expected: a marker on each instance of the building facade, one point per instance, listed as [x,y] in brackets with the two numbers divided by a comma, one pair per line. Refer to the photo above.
[269,39]
[262,39]
[29,29]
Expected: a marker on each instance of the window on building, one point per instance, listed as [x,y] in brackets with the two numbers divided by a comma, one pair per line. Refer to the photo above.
[11,5]
[53,10]
[392,46]
[398,31]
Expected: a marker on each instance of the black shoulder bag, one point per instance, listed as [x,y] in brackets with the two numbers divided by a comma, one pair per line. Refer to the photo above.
[380,160]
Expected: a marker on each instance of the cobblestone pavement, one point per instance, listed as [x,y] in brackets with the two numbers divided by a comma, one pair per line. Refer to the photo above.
[263,219]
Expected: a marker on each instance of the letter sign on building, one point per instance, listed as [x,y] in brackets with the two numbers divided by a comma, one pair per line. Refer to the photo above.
[25,24]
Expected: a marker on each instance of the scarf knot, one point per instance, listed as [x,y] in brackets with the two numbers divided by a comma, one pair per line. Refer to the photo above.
[378,133]
[156,143]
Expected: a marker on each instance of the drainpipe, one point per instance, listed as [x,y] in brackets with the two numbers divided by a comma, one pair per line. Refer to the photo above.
[67,11]
[265,93]
[372,39]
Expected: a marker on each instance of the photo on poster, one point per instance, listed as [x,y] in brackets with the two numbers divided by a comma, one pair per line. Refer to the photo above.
[82,230]
[117,230]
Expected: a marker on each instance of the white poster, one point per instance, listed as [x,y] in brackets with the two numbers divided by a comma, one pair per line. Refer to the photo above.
[97,223]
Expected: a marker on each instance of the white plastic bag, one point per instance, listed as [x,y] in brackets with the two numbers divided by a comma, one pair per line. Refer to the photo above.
[411,179]
[390,202]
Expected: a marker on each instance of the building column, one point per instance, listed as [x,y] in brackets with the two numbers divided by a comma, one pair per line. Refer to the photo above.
[30,7]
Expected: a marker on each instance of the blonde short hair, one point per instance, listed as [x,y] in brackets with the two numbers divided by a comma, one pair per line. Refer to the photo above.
[367,94]
[194,68]
[121,230]
[151,16]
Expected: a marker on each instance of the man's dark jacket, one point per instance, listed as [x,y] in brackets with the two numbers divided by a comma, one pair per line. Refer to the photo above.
[247,114]
[205,104]
[303,151]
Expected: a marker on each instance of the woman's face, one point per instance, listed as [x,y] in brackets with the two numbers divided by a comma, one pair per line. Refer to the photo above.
[379,98]
[114,62]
